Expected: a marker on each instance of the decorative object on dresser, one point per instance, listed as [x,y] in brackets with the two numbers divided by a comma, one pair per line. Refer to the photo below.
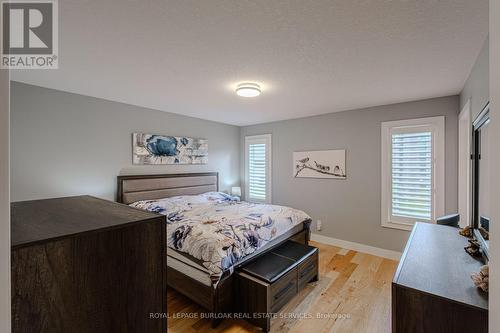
[266,284]
[482,278]
[432,290]
[161,149]
[473,248]
[83,264]
[466,231]
[319,164]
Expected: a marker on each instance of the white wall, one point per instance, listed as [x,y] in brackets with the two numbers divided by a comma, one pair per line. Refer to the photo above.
[4,204]
[495,176]
[68,144]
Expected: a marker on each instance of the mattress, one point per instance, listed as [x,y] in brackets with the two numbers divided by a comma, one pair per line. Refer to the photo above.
[217,232]
[191,269]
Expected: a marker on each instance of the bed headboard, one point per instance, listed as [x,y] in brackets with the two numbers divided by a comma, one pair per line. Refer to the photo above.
[150,187]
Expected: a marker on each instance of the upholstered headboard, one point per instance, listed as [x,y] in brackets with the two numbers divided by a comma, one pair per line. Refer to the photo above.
[150,187]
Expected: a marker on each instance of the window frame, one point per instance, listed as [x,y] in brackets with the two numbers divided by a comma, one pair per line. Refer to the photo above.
[267,140]
[436,125]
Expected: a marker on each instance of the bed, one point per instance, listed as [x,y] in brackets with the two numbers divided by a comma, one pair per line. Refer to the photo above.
[186,274]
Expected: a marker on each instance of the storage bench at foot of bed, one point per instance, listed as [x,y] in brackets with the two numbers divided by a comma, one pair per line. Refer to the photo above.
[269,282]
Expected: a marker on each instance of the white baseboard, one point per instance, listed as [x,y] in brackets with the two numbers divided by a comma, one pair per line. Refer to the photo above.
[389,254]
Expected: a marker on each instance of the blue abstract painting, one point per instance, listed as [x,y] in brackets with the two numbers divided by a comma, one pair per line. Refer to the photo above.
[161,149]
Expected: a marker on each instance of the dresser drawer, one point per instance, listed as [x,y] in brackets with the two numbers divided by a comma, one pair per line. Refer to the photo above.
[307,270]
[283,290]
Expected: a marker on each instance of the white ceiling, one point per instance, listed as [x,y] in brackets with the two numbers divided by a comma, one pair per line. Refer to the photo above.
[310,56]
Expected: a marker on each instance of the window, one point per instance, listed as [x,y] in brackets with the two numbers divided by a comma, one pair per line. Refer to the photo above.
[258,168]
[412,172]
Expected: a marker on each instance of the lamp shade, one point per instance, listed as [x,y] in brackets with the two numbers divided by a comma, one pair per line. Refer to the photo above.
[236,191]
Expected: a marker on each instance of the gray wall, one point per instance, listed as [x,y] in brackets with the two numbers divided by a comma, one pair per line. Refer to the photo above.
[4,204]
[477,86]
[68,144]
[350,209]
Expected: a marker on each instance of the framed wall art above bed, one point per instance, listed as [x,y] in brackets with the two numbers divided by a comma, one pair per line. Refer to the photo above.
[161,149]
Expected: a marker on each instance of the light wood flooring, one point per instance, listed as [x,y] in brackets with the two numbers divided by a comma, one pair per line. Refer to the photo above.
[352,295]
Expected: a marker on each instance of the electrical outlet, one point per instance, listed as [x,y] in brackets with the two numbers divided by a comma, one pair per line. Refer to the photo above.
[318,225]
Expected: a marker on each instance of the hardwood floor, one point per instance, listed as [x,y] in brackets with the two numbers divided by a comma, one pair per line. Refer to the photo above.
[352,295]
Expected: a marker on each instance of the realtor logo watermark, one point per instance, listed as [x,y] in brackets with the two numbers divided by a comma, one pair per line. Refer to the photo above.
[30,34]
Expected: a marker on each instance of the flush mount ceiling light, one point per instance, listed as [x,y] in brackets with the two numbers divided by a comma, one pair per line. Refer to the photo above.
[248,89]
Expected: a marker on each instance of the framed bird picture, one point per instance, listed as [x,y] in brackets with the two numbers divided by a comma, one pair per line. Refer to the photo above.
[319,164]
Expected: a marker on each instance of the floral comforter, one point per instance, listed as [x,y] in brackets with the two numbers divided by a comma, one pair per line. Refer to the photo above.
[218,229]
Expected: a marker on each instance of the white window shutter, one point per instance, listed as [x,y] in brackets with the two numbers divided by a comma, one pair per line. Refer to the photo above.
[412,175]
[257,171]
[258,168]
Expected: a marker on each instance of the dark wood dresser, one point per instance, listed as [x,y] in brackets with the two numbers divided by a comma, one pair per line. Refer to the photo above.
[432,290]
[83,264]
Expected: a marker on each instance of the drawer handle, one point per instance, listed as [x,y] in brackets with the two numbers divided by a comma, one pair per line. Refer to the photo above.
[306,271]
[284,290]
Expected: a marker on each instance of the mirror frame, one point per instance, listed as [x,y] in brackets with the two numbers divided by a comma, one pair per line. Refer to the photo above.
[481,120]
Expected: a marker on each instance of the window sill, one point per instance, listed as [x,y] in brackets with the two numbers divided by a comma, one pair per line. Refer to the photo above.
[400,226]
[403,226]
[256,201]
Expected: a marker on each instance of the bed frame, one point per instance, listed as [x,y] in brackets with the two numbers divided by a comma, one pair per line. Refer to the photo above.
[150,187]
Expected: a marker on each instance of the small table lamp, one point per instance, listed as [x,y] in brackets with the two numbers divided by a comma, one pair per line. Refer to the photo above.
[236,191]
